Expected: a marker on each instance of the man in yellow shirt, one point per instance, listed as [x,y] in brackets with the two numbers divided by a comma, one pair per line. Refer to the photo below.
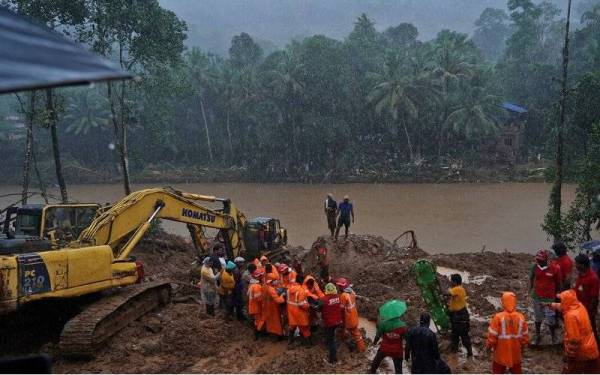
[459,315]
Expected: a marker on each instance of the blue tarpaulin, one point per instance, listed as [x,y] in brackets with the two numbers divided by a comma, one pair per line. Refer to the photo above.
[591,245]
[513,107]
[34,57]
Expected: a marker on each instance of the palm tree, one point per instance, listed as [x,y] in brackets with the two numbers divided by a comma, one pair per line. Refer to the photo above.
[476,117]
[86,110]
[202,76]
[453,64]
[399,95]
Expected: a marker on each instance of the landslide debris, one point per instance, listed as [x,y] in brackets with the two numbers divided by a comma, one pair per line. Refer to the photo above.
[182,338]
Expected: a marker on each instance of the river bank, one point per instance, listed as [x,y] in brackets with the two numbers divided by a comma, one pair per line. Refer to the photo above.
[409,173]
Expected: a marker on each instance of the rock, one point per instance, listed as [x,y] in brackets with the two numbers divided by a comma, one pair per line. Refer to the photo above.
[150,345]
[153,325]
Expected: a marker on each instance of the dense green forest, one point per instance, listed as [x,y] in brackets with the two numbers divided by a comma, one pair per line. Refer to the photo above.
[379,103]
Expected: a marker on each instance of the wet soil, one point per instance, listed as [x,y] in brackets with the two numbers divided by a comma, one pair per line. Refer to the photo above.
[182,338]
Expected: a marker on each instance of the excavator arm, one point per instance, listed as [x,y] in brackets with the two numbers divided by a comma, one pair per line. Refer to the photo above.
[124,224]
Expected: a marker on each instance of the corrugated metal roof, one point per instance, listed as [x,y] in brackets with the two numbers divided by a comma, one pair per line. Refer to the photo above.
[513,107]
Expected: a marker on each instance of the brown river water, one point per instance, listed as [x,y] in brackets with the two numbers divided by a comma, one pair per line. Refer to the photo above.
[447,218]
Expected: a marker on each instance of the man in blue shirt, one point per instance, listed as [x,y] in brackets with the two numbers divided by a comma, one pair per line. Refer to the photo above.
[345,210]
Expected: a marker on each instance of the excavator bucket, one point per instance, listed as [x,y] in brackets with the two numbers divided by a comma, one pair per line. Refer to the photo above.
[426,277]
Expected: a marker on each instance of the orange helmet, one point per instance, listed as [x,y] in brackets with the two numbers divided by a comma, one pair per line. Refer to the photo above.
[342,283]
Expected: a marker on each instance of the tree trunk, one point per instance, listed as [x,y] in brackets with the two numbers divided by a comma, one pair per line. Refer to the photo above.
[410,149]
[124,148]
[28,149]
[52,118]
[120,138]
[557,198]
[229,136]
[38,176]
[210,154]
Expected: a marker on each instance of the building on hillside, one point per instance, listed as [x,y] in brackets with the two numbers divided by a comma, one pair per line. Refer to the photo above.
[507,146]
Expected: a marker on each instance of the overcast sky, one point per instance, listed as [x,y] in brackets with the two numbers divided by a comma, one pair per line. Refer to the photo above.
[212,23]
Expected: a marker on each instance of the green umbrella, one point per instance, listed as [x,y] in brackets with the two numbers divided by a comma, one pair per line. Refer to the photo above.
[392,309]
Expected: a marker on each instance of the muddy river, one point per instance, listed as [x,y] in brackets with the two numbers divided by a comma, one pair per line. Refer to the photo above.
[447,218]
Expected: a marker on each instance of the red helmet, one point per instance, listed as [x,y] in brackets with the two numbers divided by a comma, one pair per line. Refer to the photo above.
[283,268]
[322,250]
[541,255]
[342,283]
[258,274]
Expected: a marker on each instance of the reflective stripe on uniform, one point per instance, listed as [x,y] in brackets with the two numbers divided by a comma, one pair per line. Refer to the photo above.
[505,336]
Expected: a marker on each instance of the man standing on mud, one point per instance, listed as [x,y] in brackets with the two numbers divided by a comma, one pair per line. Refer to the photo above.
[587,287]
[545,282]
[330,208]
[345,210]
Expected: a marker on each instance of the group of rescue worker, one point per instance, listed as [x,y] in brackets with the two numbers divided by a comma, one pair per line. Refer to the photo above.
[282,301]
[555,298]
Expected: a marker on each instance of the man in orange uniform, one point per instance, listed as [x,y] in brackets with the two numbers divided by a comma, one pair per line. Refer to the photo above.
[297,310]
[255,301]
[581,350]
[271,313]
[313,294]
[507,334]
[348,302]
[287,275]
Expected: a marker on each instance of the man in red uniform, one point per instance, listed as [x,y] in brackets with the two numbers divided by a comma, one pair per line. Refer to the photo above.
[331,313]
[545,281]
[587,287]
[565,263]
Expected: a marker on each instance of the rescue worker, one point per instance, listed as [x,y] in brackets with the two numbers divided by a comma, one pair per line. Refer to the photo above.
[255,301]
[271,313]
[208,285]
[581,350]
[331,313]
[287,275]
[238,291]
[507,335]
[459,315]
[263,262]
[330,208]
[297,311]
[323,261]
[422,348]
[271,270]
[313,294]
[348,302]
[345,211]
[587,287]
[227,285]
[545,281]
[565,263]
[391,346]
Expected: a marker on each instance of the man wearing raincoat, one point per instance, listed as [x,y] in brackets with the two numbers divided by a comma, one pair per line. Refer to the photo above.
[391,330]
[507,334]
[348,301]
[271,314]
[297,310]
[581,350]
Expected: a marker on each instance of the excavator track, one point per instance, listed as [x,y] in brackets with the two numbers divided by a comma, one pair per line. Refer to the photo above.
[82,335]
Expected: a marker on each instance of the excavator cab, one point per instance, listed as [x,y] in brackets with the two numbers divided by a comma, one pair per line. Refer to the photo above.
[263,234]
[38,227]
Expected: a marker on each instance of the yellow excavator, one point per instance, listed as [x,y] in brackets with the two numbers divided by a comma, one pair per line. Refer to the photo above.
[100,260]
